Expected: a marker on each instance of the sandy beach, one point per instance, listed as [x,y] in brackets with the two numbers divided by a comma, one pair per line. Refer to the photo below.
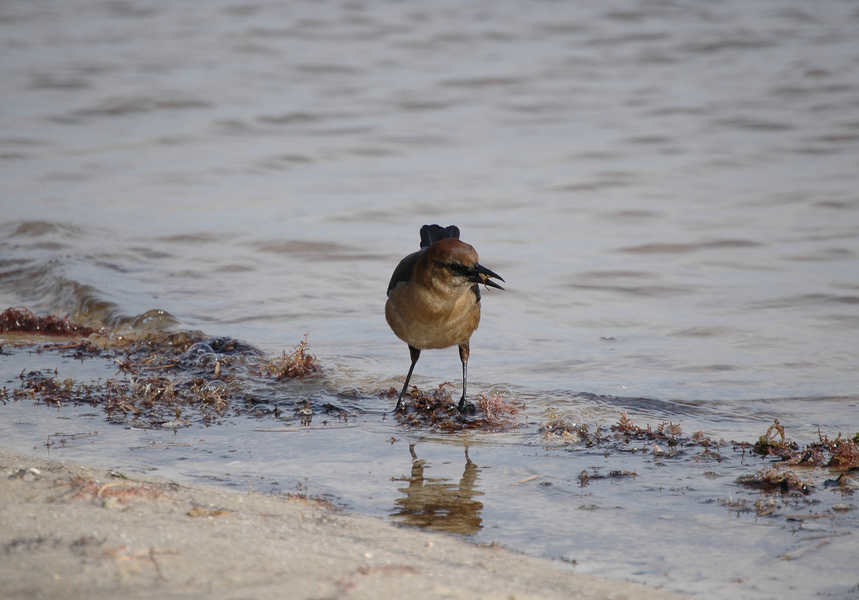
[76,531]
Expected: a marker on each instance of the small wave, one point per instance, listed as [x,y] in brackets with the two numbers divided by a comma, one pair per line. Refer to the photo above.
[120,106]
[35,229]
[666,248]
[42,287]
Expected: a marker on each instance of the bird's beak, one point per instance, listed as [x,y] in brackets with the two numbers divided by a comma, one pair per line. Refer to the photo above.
[480,274]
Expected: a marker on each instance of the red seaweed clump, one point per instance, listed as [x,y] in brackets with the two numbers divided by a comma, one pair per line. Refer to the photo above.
[843,453]
[438,410]
[774,443]
[670,433]
[296,365]
[840,454]
[21,320]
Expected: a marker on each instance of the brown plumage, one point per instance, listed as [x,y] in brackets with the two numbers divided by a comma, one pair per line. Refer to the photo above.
[434,298]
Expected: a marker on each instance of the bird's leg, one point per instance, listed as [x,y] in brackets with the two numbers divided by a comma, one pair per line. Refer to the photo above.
[416,354]
[463,356]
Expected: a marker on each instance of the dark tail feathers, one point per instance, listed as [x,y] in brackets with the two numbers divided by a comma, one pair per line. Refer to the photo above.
[430,234]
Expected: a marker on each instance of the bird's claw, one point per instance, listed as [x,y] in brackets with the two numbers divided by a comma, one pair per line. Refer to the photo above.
[465,407]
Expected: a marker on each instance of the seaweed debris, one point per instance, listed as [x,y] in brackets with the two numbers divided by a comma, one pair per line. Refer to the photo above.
[438,410]
[165,379]
[626,436]
[296,365]
[773,479]
[666,440]
[151,401]
[585,477]
[21,320]
[669,432]
[768,445]
[762,507]
[843,453]
[840,454]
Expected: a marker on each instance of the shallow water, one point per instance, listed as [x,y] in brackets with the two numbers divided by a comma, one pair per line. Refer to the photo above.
[668,188]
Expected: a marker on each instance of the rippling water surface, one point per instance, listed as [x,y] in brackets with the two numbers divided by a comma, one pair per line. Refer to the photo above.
[668,188]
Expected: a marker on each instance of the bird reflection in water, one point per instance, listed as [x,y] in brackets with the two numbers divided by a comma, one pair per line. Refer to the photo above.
[436,503]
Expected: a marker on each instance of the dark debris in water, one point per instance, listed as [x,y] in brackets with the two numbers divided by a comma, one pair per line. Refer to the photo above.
[774,479]
[437,410]
[585,478]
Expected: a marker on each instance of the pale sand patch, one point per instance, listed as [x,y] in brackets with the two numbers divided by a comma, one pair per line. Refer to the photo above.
[75,531]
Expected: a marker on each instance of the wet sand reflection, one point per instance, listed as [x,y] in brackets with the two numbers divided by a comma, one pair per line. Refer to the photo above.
[438,504]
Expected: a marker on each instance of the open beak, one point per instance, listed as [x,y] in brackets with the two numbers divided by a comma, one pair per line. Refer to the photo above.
[480,274]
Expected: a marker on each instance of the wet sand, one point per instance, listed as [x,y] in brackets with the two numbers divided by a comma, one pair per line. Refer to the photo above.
[78,531]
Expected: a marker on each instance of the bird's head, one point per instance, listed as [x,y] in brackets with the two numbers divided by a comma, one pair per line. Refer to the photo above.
[453,263]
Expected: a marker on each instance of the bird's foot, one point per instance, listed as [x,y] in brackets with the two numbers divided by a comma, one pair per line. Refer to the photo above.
[465,407]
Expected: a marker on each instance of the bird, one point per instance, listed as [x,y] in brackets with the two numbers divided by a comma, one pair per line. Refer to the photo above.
[434,298]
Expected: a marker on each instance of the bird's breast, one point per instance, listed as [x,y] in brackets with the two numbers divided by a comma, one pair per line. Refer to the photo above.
[427,320]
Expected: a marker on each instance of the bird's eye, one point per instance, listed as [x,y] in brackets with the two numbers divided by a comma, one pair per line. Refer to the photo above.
[455,268]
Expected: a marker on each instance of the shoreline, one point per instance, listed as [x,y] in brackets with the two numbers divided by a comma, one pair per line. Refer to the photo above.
[81,531]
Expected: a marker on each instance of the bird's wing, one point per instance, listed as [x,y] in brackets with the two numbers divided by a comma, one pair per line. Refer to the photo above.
[430,234]
[403,272]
